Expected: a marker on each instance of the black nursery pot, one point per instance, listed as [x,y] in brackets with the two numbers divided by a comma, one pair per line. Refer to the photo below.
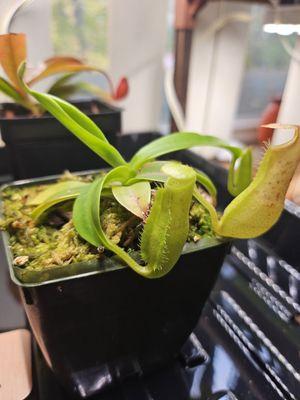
[40,146]
[98,323]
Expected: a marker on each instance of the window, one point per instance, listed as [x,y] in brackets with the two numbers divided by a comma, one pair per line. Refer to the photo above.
[266,69]
[165,120]
[79,28]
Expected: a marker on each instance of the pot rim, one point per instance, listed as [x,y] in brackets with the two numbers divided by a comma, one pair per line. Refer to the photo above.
[110,109]
[109,264]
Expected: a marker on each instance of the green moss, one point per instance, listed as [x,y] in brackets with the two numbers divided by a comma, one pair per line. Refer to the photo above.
[200,224]
[55,242]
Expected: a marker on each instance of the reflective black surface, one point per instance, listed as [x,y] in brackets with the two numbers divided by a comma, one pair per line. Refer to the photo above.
[230,371]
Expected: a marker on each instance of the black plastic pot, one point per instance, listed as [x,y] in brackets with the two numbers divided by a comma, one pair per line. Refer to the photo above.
[41,146]
[105,323]
[5,167]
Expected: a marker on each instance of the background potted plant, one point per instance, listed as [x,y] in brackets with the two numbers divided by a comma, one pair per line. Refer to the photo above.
[96,320]
[37,143]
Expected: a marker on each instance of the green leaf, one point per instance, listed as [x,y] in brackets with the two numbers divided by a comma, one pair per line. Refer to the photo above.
[239,174]
[82,215]
[65,91]
[135,198]
[11,92]
[99,146]
[207,183]
[79,117]
[55,190]
[209,207]
[150,172]
[166,227]
[77,122]
[175,142]
[87,205]
[57,197]
[78,126]
[153,172]
[60,82]
[42,208]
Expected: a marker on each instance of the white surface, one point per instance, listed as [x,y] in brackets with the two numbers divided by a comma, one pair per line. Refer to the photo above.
[289,110]
[137,39]
[15,365]
[216,70]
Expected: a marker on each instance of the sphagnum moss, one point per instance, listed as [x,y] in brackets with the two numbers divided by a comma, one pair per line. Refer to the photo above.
[55,242]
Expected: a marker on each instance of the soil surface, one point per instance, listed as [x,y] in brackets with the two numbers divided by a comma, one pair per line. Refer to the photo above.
[55,242]
[12,110]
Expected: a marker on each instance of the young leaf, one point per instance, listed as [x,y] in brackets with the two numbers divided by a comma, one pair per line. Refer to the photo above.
[259,206]
[60,188]
[61,64]
[12,54]
[60,82]
[57,194]
[42,208]
[72,66]
[135,198]
[65,91]
[63,88]
[87,88]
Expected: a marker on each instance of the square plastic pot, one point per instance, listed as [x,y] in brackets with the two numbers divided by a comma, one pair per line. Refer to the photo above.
[40,146]
[98,323]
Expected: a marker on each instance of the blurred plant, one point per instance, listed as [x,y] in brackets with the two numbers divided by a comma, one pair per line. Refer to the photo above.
[13,53]
[256,208]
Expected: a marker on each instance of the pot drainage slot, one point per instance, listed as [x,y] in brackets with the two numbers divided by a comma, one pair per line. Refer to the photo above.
[192,353]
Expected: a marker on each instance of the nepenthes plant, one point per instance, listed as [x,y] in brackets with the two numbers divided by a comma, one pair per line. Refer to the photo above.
[257,205]
[13,52]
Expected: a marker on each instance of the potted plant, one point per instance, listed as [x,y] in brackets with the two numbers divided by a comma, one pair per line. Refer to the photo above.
[115,266]
[37,143]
